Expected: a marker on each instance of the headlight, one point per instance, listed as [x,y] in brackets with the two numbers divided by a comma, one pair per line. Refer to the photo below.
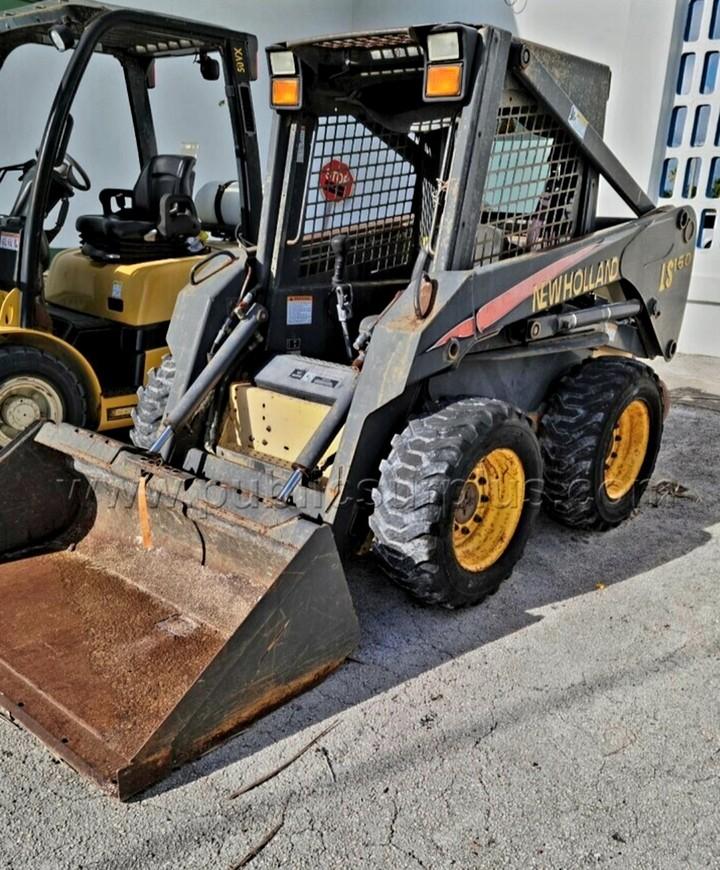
[443,46]
[282,63]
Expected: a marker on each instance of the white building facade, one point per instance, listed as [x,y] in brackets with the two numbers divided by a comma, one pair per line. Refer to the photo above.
[646,44]
[690,169]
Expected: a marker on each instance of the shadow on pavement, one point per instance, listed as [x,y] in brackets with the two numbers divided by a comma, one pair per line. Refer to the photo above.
[402,640]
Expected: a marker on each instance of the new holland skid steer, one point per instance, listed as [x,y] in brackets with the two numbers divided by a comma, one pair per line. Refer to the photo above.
[434,330]
[79,335]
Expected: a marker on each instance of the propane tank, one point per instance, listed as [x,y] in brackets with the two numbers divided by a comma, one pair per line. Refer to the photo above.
[219,206]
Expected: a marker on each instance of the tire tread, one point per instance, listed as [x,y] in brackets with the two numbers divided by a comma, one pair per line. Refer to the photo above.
[152,403]
[410,499]
[571,428]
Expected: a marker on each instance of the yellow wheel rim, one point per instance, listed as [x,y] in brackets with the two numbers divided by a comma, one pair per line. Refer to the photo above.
[488,511]
[628,449]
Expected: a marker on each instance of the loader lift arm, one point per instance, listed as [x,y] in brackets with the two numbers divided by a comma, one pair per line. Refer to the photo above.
[531,70]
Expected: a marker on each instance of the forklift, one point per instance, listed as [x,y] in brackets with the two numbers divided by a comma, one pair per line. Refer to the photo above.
[80,331]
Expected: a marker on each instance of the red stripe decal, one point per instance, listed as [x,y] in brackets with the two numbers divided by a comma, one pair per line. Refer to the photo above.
[466,329]
[502,305]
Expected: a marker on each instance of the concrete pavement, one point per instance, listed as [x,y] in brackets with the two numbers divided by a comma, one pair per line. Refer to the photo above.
[571,721]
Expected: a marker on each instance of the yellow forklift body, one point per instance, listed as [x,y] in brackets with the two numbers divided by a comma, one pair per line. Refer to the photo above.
[135,294]
[10,307]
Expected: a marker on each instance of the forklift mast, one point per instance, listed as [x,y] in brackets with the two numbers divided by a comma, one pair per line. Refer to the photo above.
[136,38]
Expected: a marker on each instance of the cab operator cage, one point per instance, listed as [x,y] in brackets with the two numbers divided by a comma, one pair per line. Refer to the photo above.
[487,176]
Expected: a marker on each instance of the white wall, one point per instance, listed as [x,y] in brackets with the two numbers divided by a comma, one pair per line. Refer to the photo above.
[376,14]
[271,21]
[102,139]
[632,37]
[701,328]
[637,39]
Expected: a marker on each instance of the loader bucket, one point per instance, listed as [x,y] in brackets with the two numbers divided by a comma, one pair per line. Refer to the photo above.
[133,640]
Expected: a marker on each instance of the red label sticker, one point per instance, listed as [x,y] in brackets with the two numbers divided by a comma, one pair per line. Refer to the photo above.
[336,181]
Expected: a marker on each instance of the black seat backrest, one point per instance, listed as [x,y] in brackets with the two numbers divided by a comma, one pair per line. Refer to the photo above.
[164,173]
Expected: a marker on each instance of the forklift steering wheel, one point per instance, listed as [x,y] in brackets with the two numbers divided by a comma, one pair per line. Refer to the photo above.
[72,174]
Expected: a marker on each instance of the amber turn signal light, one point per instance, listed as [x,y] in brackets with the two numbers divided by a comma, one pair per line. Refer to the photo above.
[286,93]
[443,80]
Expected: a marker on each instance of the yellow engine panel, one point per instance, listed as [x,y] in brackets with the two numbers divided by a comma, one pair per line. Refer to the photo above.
[10,302]
[140,293]
[264,422]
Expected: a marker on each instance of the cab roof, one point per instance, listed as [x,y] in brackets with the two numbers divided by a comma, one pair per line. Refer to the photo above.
[586,82]
[149,34]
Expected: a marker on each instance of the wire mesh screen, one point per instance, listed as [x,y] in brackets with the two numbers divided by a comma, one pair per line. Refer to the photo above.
[433,181]
[367,40]
[531,195]
[430,193]
[362,185]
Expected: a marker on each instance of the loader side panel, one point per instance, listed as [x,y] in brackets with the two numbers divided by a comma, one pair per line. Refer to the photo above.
[474,314]
[199,313]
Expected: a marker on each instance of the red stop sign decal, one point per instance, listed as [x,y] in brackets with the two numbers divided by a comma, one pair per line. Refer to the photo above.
[336,181]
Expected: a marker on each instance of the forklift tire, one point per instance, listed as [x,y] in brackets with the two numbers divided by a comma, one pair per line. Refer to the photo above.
[457,500]
[600,438]
[36,385]
[152,403]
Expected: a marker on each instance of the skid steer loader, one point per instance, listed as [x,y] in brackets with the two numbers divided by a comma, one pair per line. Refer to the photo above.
[435,329]
[78,336]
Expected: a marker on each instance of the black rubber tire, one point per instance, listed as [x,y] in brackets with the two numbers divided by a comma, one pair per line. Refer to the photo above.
[576,432]
[419,484]
[152,403]
[20,360]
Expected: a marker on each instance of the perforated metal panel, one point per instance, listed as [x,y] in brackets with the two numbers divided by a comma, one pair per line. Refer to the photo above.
[367,40]
[532,190]
[362,184]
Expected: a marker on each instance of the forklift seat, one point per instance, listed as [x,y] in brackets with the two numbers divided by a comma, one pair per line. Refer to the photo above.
[152,221]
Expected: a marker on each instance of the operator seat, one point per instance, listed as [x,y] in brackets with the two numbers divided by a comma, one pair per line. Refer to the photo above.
[152,221]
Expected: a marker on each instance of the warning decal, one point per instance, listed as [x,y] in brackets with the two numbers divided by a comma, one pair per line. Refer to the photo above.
[299,310]
[336,181]
[9,241]
[578,121]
